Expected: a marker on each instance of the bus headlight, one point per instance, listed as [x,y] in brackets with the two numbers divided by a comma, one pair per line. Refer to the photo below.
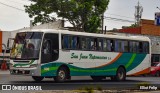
[33,65]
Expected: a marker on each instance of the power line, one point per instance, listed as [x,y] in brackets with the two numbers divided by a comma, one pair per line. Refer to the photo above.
[120,15]
[16,2]
[118,19]
[11,6]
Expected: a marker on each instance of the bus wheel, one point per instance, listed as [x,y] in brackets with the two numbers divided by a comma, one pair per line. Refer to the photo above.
[121,74]
[61,75]
[98,78]
[37,78]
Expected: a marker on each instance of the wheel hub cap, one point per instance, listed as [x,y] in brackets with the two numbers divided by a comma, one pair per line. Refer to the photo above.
[61,75]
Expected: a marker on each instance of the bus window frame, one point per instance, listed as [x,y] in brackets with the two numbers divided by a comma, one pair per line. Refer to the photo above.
[112,44]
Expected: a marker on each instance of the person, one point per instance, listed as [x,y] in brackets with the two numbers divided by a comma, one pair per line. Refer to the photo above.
[94,47]
[31,46]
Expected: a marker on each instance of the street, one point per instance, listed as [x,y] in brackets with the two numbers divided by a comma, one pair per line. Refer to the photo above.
[79,82]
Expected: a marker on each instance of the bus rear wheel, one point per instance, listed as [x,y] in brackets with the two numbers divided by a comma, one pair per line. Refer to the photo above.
[121,74]
[37,78]
[61,75]
[98,78]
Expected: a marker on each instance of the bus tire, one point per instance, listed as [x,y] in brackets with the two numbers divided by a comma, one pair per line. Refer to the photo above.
[61,75]
[98,78]
[37,78]
[120,74]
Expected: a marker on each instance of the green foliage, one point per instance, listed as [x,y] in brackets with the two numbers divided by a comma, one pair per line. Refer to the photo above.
[89,89]
[134,25]
[99,88]
[84,15]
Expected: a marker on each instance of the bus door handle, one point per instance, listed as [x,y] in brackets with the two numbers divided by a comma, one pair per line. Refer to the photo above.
[70,63]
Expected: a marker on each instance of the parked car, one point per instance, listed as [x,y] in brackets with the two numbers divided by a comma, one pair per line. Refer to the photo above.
[155,69]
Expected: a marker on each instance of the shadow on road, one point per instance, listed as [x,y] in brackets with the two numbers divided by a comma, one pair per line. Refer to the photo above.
[78,82]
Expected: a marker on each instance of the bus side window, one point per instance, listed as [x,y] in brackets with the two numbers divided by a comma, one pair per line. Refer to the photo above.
[130,46]
[104,45]
[83,43]
[70,40]
[116,45]
[141,47]
[145,47]
[126,47]
[92,44]
[100,44]
[112,45]
[134,46]
[65,42]
[50,48]
[95,45]
[47,46]
[122,44]
[137,47]
[108,45]
[78,43]
[88,43]
[74,42]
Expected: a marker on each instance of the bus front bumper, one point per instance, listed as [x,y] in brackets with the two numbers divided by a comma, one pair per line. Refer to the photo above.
[29,72]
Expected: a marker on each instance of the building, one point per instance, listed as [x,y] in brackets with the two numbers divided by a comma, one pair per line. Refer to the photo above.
[149,29]
[4,46]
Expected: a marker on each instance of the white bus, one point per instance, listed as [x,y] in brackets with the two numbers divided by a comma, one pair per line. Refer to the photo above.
[47,53]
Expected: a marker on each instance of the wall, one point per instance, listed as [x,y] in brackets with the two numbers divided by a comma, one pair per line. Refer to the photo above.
[5,36]
[133,30]
[0,41]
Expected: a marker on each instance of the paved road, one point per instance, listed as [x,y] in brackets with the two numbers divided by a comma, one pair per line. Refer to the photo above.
[79,82]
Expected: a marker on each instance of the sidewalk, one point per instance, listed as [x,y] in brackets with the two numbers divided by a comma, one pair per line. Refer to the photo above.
[4,71]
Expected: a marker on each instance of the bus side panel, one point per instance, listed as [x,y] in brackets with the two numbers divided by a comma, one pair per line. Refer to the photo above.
[132,62]
[141,68]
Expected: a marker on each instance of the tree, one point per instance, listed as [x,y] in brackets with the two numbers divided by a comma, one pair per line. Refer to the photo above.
[84,15]
[134,25]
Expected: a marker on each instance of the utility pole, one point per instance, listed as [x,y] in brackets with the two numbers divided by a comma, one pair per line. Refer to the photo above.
[102,22]
[31,25]
[138,13]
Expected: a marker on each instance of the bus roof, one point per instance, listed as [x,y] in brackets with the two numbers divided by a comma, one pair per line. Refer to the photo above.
[113,36]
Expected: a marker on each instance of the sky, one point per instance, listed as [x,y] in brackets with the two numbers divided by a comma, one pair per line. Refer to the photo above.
[16,18]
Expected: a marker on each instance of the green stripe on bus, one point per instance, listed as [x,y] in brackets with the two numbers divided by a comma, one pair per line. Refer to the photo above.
[130,61]
[24,64]
[50,69]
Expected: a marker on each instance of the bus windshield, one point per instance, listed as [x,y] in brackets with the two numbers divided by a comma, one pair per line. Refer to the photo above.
[26,45]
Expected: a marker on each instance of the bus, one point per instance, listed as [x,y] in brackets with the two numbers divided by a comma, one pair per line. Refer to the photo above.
[60,54]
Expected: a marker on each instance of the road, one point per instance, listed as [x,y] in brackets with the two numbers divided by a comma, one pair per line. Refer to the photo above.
[79,82]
